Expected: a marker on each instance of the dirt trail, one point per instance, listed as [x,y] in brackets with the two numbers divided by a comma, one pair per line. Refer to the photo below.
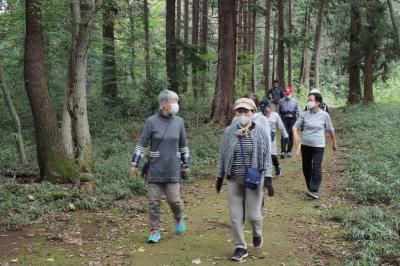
[294,231]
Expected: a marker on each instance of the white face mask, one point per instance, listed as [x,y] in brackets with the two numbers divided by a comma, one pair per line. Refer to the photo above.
[174,108]
[310,105]
[288,96]
[244,120]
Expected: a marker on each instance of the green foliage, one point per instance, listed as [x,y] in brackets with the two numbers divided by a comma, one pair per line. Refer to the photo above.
[371,149]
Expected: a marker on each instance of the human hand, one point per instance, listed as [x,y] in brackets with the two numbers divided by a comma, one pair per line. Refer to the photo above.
[334,147]
[268,185]
[218,184]
[298,150]
[133,170]
[185,173]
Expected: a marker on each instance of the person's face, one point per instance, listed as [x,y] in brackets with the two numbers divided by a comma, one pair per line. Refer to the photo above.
[244,116]
[243,111]
[167,105]
[311,98]
[276,85]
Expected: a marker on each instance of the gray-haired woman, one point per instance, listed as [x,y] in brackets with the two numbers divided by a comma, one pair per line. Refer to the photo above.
[169,158]
[244,146]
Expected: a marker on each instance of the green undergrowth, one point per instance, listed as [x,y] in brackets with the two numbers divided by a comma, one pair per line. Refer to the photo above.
[370,146]
[114,131]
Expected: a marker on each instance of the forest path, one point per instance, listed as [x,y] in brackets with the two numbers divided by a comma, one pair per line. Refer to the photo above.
[295,233]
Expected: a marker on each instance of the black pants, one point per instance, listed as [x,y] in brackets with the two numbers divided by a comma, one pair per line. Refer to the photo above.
[312,161]
[288,122]
[275,161]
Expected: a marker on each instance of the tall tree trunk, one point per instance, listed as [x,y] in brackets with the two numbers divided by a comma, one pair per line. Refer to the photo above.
[195,41]
[281,45]
[354,95]
[146,40]
[171,47]
[274,67]
[75,100]
[253,46]
[225,83]
[307,54]
[178,19]
[395,22]
[318,39]
[369,51]
[53,162]
[267,34]
[375,17]
[186,41]
[289,53]
[204,44]
[109,60]
[14,115]
[132,40]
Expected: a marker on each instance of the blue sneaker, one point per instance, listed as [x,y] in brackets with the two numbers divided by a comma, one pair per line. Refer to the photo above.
[154,237]
[180,226]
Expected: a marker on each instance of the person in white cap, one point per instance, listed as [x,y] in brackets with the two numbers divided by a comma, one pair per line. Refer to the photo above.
[323,107]
[243,149]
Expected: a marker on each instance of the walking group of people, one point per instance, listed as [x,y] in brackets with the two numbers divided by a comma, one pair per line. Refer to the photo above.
[248,156]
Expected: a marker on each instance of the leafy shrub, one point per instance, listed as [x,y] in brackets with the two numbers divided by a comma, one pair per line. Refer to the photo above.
[371,150]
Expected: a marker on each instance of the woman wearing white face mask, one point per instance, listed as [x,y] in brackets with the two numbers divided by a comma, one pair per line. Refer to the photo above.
[314,123]
[243,147]
[169,158]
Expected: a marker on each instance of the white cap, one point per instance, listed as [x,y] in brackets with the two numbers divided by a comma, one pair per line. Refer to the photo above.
[315,91]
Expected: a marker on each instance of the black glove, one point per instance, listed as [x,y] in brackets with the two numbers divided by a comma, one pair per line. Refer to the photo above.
[218,184]
[268,185]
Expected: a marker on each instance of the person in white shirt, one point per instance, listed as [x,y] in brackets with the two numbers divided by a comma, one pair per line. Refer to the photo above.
[275,122]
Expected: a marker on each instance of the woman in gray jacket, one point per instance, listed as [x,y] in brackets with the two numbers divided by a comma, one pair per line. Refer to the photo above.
[244,146]
[169,157]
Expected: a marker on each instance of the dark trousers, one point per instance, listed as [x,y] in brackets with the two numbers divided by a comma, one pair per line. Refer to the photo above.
[288,122]
[312,161]
[275,161]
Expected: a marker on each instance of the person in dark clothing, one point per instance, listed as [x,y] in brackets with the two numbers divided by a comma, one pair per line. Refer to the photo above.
[289,111]
[275,93]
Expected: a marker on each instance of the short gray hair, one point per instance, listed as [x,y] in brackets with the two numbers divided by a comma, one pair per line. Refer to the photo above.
[167,96]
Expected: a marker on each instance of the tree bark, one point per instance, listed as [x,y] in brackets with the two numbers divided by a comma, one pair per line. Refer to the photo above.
[369,51]
[307,54]
[394,22]
[289,53]
[204,45]
[354,95]
[318,39]
[225,83]
[171,47]
[274,66]
[14,115]
[109,60]
[178,19]
[195,41]
[52,160]
[75,118]
[253,46]
[186,41]
[281,45]
[266,61]
[146,40]
[132,39]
